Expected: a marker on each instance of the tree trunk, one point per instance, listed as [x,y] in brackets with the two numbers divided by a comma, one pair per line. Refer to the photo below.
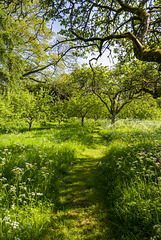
[59,123]
[95,119]
[82,121]
[113,120]
[30,125]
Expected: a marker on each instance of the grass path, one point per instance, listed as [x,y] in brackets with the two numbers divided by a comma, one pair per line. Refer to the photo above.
[80,215]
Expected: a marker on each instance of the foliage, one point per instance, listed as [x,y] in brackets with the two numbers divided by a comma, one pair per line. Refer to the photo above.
[10,60]
[58,111]
[80,105]
[101,25]
[99,110]
[21,104]
[119,86]
[24,45]
[146,108]
[159,102]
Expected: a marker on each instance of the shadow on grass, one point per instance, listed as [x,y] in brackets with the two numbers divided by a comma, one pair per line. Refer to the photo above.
[80,213]
[65,133]
[85,190]
[127,181]
[24,129]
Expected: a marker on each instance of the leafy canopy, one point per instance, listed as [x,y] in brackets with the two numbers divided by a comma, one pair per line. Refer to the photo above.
[102,24]
[24,42]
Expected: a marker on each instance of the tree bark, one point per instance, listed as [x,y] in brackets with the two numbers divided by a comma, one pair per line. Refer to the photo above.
[141,53]
[82,121]
[113,120]
[30,125]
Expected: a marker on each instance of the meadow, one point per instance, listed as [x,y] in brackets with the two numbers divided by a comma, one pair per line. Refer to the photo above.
[117,169]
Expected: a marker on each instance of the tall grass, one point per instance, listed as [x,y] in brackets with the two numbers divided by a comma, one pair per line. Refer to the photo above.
[130,178]
[32,168]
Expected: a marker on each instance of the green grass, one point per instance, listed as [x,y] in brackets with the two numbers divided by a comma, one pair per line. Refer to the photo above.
[130,179]
[34,166]
[72,182]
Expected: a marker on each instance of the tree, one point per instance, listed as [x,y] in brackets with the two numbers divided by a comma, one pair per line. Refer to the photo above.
[145,108]
[25,53]
[6,109]
[82,79]
[120,86]
[10,61]
[103,24]
[28,106]
[80,105]
[99,25]
[99,110]
[117,87]
[58,110]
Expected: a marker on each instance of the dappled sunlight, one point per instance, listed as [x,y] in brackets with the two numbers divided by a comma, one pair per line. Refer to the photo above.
[81,190]
[130,180]
[79,214]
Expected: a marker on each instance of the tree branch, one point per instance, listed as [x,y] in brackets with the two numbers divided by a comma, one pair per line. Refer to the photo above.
[99,96]
[54,63]
[102,6]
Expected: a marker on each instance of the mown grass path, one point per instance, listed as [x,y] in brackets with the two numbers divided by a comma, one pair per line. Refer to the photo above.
[80,215]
